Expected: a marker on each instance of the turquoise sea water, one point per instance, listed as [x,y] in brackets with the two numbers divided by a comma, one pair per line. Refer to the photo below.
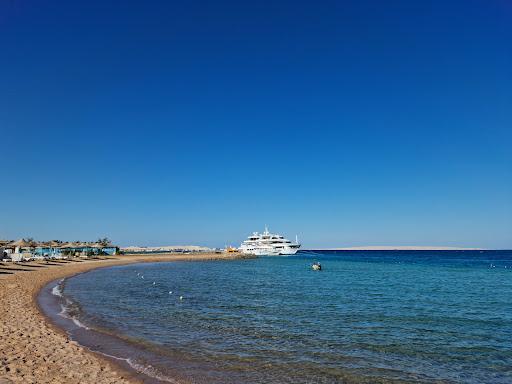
[366,317]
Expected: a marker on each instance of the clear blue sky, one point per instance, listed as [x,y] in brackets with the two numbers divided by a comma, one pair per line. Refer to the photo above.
[345,122]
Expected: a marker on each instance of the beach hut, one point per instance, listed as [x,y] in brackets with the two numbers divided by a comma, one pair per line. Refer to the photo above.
[109,249]
[104,248]
[22,249]
[70,248]
[86,249]
[81,249]
[54,249]
[96,247]
[42,249]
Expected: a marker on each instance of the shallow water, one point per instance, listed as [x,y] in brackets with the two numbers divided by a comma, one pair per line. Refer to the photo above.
[366,317]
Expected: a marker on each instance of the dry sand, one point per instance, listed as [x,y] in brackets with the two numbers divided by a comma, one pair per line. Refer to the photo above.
[34,351]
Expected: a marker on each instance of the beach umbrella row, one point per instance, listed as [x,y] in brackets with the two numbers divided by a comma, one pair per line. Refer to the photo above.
[22,243]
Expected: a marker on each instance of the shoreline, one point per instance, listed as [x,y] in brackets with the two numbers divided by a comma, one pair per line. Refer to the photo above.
[33,349]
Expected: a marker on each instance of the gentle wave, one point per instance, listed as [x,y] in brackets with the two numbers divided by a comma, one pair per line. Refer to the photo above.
[68,306]
[147,370]
[57,290]
[150,371]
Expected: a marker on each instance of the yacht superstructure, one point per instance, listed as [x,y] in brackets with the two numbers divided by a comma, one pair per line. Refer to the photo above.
[268,244]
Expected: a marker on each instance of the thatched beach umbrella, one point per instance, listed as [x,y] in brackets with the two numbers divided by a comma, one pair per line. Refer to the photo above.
[22,243]
[97,246]
[71,245]
[51,246]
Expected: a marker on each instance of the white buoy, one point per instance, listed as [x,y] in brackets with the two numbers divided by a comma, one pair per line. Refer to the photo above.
[181,297]
[154,282]
[170,292]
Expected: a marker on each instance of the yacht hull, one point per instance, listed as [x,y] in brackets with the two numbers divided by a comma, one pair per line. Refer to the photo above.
[289,251]
[270,252]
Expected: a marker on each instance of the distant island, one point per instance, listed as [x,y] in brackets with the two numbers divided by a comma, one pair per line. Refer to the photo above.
[399,248]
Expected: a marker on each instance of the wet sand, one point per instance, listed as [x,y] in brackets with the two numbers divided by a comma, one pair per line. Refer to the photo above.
[32,350]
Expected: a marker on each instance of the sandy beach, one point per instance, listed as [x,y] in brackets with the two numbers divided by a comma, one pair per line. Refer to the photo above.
[34,351]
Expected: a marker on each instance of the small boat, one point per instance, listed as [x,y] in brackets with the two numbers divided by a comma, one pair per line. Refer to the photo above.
[316,267]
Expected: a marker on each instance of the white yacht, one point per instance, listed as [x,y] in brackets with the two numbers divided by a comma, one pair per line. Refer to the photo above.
[268,244]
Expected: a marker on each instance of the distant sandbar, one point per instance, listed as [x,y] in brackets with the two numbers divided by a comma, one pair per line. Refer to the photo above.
[400,248]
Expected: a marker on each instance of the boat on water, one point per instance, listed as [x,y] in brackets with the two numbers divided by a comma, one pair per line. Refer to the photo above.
[268,244]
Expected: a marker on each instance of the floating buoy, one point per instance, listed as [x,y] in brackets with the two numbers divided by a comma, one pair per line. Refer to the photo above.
[154,282]
[181,297]
[170,292]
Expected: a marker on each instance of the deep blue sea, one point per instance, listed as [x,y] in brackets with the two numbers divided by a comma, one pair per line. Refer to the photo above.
[367,317]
